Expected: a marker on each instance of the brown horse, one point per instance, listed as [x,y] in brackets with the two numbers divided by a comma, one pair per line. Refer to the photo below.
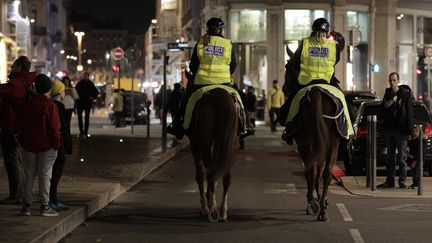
[317,139]
[213,136]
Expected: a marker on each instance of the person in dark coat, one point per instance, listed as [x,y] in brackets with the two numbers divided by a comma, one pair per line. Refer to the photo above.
[57,94]
[87,92]
[11,95]
[250,106]
[398,126]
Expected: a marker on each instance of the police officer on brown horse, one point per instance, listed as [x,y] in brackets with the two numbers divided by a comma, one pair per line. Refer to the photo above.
[212,62]
[314,61]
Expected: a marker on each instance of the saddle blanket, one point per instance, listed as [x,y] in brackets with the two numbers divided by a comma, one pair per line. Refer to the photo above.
[196,96]
[343,121]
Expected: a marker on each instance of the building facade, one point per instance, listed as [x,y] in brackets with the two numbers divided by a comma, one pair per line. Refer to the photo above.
[382,36]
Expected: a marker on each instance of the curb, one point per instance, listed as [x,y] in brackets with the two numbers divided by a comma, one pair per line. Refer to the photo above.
[67,225]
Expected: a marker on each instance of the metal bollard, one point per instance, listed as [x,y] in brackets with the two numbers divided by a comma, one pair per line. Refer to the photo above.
[368,150]
[374,153]
[420,162]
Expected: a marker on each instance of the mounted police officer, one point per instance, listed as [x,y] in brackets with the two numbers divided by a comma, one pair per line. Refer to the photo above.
[314,60]
[212,62]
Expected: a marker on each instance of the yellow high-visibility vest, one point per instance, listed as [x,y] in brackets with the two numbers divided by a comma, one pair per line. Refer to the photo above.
[215,59]
[317,61]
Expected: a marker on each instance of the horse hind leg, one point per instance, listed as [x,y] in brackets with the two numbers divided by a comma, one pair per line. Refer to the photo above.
[213,215]
[200,178]
[224,204]
[323,215]
[312,203]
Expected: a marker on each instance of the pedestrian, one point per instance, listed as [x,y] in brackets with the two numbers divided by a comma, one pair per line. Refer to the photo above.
[87,92]
[413,157]
[117,107]
[69,100]
[250,106]
[398,126]
[38,133]
[57,95]
[174,101]
[11,94]
[244,101]
[212,62]
[275,100]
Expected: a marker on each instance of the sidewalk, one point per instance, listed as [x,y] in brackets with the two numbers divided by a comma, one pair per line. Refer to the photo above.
[100,169]
[110,162]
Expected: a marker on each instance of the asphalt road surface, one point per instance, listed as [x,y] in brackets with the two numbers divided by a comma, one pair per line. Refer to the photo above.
[267,202]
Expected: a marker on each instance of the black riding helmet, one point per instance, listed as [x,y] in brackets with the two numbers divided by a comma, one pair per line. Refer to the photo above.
[321,25]
[214,24]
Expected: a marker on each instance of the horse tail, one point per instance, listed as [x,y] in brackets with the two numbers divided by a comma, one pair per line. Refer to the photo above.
[322,133]
[226,119]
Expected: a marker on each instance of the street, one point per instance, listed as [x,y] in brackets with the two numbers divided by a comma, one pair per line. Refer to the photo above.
[266,203]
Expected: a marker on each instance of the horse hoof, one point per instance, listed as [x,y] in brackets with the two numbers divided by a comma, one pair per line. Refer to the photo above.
[313,207]
[222,219]
[323,218]
[213,215]
[204,212]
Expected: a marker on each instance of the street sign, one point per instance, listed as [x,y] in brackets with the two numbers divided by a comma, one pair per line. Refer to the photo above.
[178,46]
[118,53]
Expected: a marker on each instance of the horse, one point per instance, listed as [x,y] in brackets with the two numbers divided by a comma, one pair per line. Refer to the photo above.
[213,134]
[317,139]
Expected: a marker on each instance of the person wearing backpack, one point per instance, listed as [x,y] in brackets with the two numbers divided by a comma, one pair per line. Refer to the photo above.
[11,95]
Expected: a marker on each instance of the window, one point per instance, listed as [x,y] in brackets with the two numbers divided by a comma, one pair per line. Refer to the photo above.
[248,25]
[298,23]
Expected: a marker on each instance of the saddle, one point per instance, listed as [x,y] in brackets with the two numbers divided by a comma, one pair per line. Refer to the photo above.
[199,93]
[341,116]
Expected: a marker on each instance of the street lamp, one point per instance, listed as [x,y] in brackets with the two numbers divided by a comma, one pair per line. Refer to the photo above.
[79,36]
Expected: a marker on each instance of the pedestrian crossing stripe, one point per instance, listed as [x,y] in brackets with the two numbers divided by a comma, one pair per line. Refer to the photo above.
[269,188]
[278,188]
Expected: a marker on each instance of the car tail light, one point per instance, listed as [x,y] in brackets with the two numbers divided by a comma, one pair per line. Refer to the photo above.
[427,131]
[361,131]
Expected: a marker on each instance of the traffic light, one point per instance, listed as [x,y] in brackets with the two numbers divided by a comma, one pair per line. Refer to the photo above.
[116,68]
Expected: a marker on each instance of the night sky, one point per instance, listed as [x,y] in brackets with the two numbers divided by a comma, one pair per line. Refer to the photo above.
[135,14]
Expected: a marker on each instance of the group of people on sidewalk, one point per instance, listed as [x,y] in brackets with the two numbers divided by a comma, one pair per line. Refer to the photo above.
[35,116]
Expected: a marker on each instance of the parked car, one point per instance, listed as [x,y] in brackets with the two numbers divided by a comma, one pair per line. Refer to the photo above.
[355,161]
[140,108]
[354,98]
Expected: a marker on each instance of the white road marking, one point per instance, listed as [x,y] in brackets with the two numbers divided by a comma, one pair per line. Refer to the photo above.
[191,187]
[355,234]
[277,188]
[248,158]
[342,209]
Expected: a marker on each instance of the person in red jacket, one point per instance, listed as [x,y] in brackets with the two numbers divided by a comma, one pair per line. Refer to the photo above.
[11,93]
[38,133]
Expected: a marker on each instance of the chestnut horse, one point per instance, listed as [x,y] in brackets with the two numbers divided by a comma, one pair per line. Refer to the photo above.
[213,136]
[317,139]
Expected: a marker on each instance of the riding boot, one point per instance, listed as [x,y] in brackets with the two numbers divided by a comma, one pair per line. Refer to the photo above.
[285,108]
[287,138]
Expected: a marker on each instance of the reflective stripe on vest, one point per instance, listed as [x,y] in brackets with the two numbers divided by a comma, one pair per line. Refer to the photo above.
[215,59]
[317,61]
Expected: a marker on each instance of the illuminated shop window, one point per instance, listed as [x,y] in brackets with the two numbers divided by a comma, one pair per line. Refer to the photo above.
[248,25]
[169,4]
[298,22]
